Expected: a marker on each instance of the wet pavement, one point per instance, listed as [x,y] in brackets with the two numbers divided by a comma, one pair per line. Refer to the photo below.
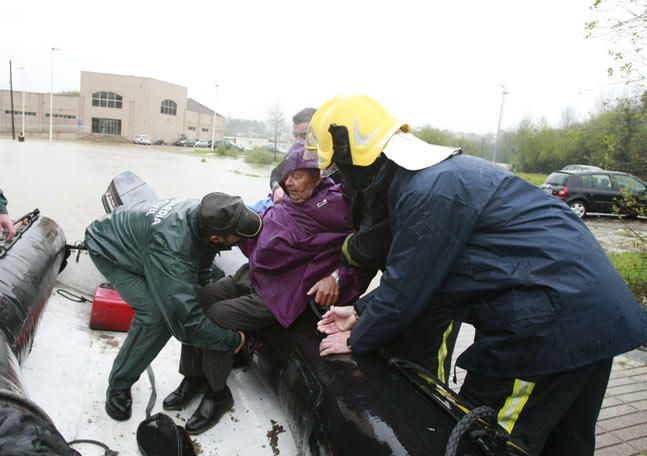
[618,235]
[622,425]
[65,180]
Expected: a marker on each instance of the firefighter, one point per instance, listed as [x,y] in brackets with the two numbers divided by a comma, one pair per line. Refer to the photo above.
[549,309]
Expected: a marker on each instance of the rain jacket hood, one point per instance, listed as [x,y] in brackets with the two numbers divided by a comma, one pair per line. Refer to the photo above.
[298,246]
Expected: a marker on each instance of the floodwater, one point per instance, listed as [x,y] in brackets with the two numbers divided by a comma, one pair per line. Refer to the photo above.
[65,180]
[66,372]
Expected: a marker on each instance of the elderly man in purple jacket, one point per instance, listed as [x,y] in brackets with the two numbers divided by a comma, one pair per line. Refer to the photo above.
[295,257]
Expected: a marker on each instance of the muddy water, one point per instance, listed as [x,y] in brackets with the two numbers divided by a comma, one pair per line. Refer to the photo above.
[65,180]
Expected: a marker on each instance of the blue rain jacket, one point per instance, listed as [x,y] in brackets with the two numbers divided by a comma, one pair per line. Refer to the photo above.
[501,254]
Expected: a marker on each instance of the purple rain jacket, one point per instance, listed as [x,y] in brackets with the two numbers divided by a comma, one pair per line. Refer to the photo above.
[298,246]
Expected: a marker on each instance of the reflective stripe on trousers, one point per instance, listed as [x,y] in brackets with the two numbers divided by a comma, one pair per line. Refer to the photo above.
[514,404]
[442,353]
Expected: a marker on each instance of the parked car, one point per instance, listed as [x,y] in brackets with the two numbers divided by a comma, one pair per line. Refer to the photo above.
[270,148]
[202,143]
[184,142]
[159,142]
[598,191]
[143,139]
[581,168]
[228,145]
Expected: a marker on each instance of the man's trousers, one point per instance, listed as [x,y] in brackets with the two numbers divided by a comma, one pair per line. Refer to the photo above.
[148,331]
[550,415]
[232,303]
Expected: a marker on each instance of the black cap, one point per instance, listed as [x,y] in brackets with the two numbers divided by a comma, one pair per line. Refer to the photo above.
[224,214]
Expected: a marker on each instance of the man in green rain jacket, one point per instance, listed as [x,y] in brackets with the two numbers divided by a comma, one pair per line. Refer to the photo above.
[153,254]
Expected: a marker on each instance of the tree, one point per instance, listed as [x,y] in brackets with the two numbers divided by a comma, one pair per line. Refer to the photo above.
[244,127]
[447,138]
[625,21]
[276,123]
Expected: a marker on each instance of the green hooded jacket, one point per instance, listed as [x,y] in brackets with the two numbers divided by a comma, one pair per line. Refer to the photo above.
[160,241]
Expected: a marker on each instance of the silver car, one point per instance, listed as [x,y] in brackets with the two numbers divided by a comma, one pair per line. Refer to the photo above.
[143,139]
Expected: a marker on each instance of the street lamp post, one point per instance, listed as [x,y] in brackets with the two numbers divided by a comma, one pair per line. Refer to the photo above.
[498,130]
[51,94]
[213,121]
[23,101]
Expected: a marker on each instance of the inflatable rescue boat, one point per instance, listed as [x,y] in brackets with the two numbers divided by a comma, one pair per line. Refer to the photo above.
[337,405]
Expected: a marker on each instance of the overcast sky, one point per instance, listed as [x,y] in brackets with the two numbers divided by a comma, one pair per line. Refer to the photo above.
[428,62]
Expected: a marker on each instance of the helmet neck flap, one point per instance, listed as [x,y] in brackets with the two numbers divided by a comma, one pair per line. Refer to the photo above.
[360,178]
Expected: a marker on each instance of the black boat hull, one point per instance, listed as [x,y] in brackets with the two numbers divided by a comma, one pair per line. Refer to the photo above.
[28,271]
[27,275]
[348,404]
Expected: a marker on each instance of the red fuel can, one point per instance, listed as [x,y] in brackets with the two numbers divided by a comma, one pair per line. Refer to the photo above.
[109,311]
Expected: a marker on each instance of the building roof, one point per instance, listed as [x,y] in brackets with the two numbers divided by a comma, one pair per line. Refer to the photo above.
[192,105]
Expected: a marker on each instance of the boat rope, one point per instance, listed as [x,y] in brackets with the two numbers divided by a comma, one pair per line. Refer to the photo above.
[317,309]
[108,451]
[153,397]
[438,391]
[488,434]
[483,436]
[21,225]
[78,246]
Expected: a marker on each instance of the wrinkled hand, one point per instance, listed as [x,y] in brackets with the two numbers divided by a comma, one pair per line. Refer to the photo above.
[337,319]
[326,292]
[242,342]
[335,344]
[277,195]
[5,222]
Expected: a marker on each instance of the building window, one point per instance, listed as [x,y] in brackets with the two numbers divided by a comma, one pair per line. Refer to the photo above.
[206,130]
[106,126]
[61,116]
[169,107]
[191,128]
[107,100]
[18,113]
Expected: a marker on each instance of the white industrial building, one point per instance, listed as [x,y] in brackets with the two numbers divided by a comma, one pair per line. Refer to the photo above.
[113,107]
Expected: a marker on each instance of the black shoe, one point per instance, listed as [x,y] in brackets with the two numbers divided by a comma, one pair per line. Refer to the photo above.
[240,359]
[119,403]
[188,389]
[212,407]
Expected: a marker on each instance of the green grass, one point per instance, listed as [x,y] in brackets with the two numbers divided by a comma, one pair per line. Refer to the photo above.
[534,178]
[217,152]
[259,156]
[221,151]
[632,266]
